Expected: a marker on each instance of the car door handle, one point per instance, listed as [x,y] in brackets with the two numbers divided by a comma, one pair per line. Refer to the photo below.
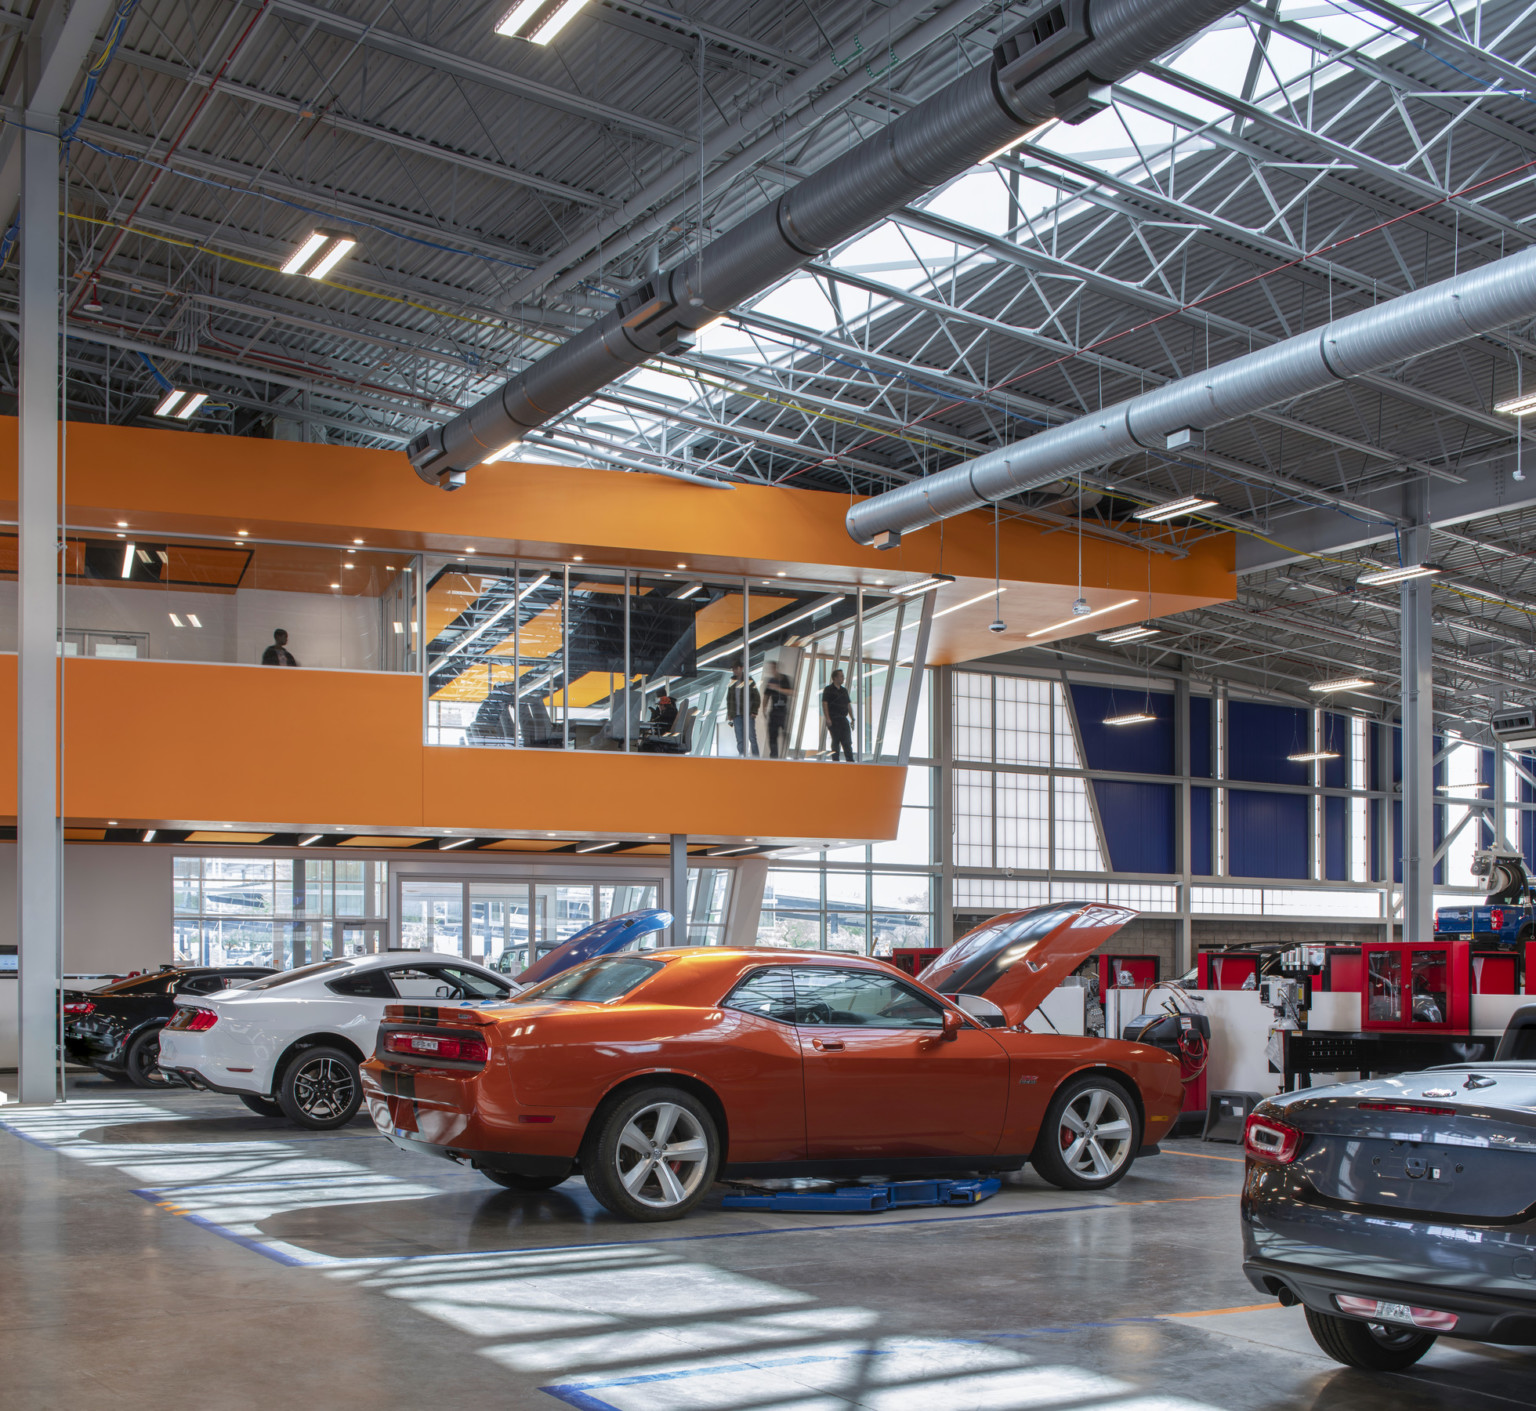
[826,1043]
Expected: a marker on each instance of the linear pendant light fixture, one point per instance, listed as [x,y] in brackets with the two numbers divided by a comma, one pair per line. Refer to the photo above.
[1311,756]
[1131,717]
[555,18]
[299,261]
[1341,683]
[1174,509]
[1517,406]
[1386,577]
[1082,617]
[933,580]
[1139,633]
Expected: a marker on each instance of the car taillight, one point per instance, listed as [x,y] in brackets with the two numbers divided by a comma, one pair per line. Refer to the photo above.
[190,1019]
[1431,1318]
[1266,1139]
[1417,1108]
[459,1050]
[1496,916]
[79,1006]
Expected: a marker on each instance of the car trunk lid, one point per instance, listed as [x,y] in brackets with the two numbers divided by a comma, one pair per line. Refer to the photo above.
[1459,1143]
[1016,959]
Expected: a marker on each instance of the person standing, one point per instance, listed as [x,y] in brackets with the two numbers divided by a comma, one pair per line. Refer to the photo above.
[278,654]
[837,714]
[778,688]
[742,702]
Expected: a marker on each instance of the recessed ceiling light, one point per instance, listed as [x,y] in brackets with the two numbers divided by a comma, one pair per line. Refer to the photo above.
[782,574]
[111,823]
[122,536]
[469,548]
[226,825]
[682,565]
[335,585]
[122,524]
[243,533]
[576,558]
[357,541]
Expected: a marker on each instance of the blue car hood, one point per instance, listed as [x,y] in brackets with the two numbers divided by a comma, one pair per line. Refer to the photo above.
[601,938]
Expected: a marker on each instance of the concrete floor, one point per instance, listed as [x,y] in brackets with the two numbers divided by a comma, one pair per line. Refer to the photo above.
[171,1250]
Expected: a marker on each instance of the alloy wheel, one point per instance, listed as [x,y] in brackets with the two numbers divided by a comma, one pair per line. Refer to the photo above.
[1095,1133]
[323,1088]
[661,1155]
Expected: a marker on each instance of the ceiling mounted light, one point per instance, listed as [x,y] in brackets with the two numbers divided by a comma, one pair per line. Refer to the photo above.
[596,847]
[149,836]
[1517,406]
[505,453]
[193,619]
[969,602]
[1173,509]
[1341,683]
[299,262]
[515,21]
[127,561]
[731,852]
[448,847]
[1131,717]
[1385,577]
[1311,756]
[555,21]
[934,580]
[1083,617]
[1128,634]
[313,838]
[175,621]
[168,402]
[188,408]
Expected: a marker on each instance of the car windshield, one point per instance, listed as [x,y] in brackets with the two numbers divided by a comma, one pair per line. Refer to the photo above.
[287,977]
[598,981]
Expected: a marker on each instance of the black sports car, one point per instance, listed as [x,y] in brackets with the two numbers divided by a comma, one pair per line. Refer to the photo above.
[116,1029]
[1398,1210]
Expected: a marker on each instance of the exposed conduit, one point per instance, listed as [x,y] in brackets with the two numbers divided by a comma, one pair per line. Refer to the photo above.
[1411,325]
[1058,65]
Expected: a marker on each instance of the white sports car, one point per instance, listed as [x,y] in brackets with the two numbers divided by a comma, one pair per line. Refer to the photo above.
[290,1045]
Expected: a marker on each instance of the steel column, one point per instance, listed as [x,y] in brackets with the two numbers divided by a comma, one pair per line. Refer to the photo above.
[38,839]
[677,886]
[1418,743]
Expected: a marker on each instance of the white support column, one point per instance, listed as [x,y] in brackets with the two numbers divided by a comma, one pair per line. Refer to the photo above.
[1418,706]
[1184,955]
[677,887]
[37,805]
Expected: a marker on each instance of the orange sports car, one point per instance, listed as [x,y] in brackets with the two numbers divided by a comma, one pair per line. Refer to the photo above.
[655,1072]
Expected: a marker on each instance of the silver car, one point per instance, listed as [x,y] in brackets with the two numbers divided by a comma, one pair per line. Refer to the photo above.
[1399,1210]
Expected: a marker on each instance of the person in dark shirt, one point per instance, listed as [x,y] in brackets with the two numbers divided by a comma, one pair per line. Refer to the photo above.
[837,713]
[778,688]
[741,714]
[664,714]
[278,654]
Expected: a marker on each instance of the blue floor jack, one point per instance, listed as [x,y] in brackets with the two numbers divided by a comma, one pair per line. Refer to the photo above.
[894,1195]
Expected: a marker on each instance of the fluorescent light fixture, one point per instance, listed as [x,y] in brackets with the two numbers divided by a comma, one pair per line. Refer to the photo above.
[690,590]
[1131,717]
[189,407]
[495,617]
[1073,621]
[505,453]
[934,580]
[175,621]
[332,257]
[1311,756]
[1172,509]
[127,560]
[168,402]
[1341,683]
[1385,577]
[313,838]
[1517,406]
[776,626]
[516,19]
[1019,141]
[596,847]
[1127,634]
[730,852]
[968,603]
[399,629]
[549,27]
[448,847]
[193,619]
[306,252]
[1457,788]
[149,836]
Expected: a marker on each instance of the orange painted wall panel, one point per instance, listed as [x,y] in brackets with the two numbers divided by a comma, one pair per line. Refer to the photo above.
[176,743]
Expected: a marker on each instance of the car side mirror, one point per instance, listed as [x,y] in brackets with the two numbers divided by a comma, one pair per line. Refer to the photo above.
[953,1023]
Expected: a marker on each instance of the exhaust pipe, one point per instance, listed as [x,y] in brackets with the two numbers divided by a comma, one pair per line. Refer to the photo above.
[1058,65]
[1436,316]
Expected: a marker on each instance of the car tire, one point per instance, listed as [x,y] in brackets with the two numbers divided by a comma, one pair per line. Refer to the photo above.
[515,1181]
[1090,1136]
[261,1106]
[143,1059]
[1372,1347]
[621,1156]
[320,1088]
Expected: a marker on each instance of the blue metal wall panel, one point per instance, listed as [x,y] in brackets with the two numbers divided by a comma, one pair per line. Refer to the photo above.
[1260,736]
[1267,834]
[1335,830]
[1201,826]
[1125,749]
[1138,824]
[1201,711]
[1336,737]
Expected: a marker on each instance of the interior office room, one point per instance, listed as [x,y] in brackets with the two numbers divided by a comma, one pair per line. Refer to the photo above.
[811,706]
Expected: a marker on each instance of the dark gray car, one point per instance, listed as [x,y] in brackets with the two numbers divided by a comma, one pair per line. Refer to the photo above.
[1400,1209]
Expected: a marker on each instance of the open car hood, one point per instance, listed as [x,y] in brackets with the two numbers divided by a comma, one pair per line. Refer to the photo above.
[600,938]
[1016,959]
